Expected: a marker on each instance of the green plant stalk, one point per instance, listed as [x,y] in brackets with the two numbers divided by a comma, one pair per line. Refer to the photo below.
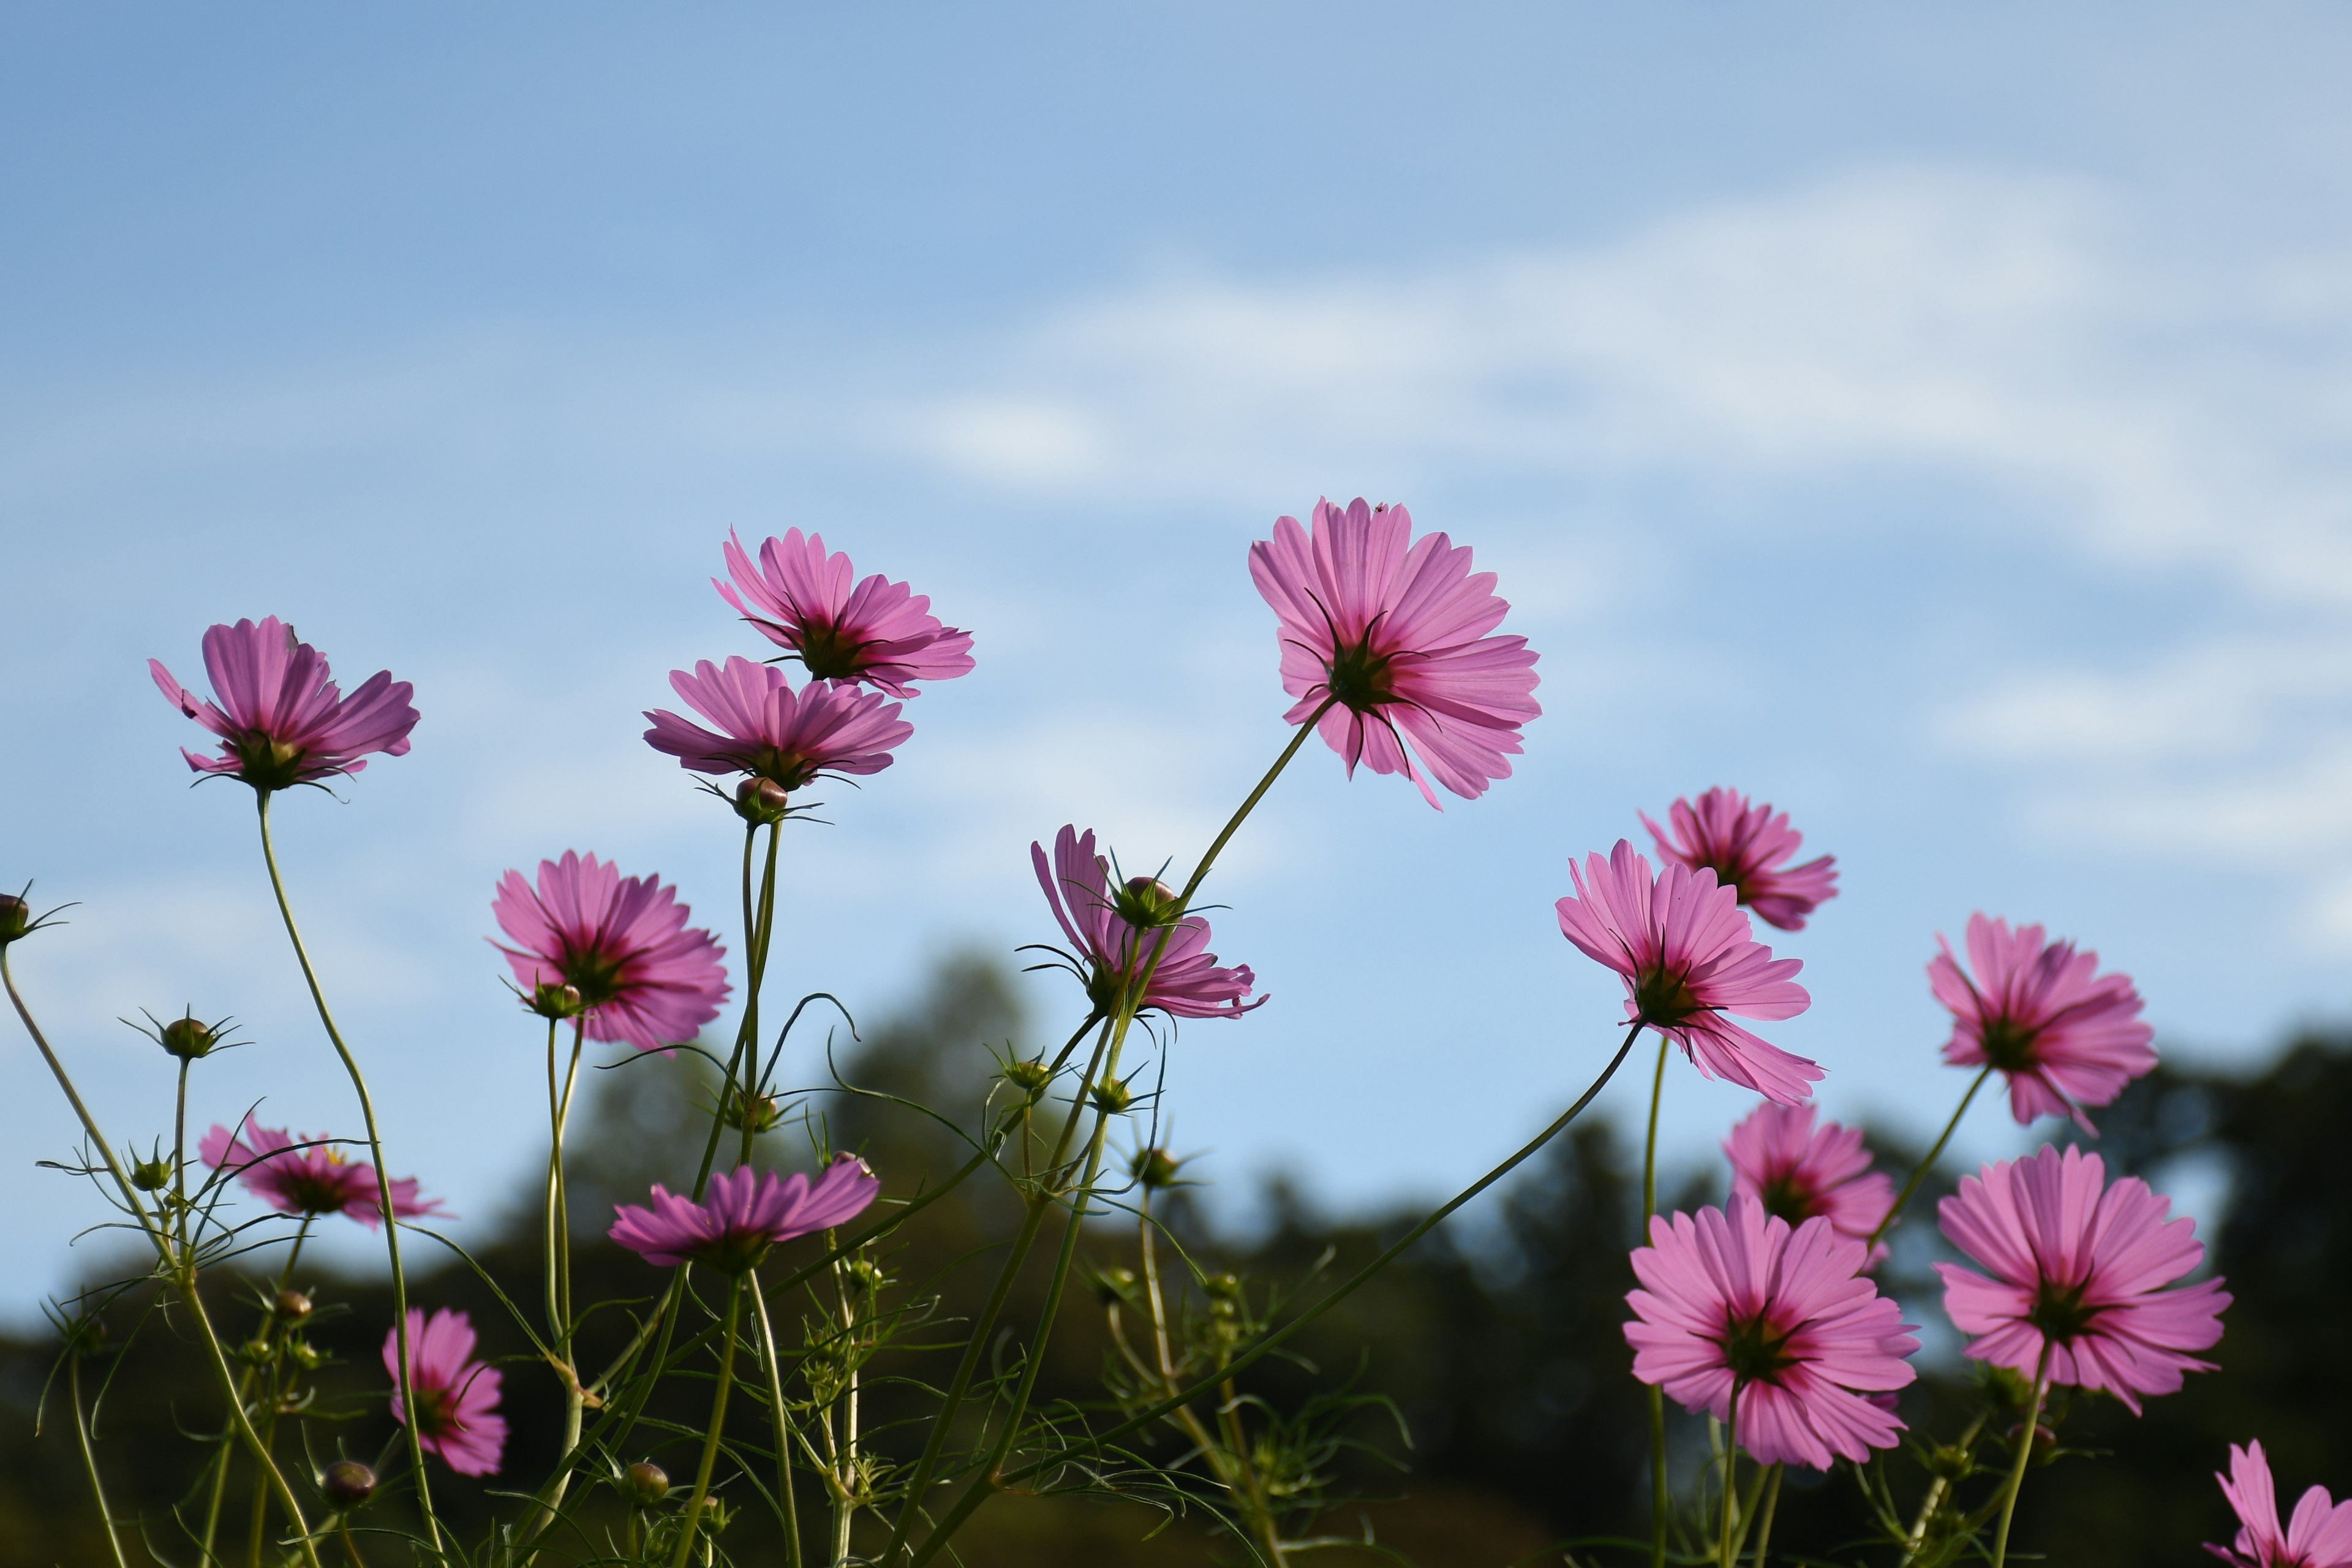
[1727,1552]
[1661,1502]
[845,1504]
[772,1365]
[1764,1524]
[90,1457]
[1917,1537]
[244,1387]
[764,931]
[692,1525]
[1903,1199]
[2024,1457]
[178,1157]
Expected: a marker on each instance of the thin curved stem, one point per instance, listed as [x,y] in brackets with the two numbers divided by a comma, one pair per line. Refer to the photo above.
[90,1457]
[692,1525]
[782,1411]
[1903,1199]
[1661,1499]
[270,1322]
[2024,1457]
[1764,1523]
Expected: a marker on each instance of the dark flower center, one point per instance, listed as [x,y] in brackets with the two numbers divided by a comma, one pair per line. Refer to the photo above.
[789,768]
[1755,1350]
[268,763]
[1664,998]
[1359,677]
[2008,1045]
[596,975]
[1784,1197]
[827,653]
[313,1190]
[2059,1312]
[435,1415]
[736,1252]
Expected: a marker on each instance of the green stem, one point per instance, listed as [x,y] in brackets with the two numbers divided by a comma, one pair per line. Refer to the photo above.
[2024,1457]
[1764,1523]
[1661,1500]
[693,1524]
[786,1499]
[178,1157]
[270,1324]
[1903,1199]
[1725,1552]
[89,1457]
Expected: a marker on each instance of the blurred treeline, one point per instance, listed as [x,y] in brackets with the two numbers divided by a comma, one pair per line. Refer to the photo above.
[1496,1348]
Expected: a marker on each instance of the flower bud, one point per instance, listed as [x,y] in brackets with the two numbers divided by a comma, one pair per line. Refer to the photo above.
[551,999]
[16,918]
[1146,903]
[348,1483]
[1155,1169]
[188,1039]
[1115,1284]
[306,1355]
[293,1306]
[152,1175]
[1027,1077]
[1222,1287]
[1112,1096]
[646,1483]
[256,1351]
[760,801]
[759,1114]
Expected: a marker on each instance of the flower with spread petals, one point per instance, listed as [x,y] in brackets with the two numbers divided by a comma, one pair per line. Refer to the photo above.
[1386,637]
[770,731]
[307,1175]
[1113,935]
[2319,1536]
[1689,958]
[458,1419]
[2064,1035]
[878,631]
[1746,847]
[640,974]
[2078,1270]
[280,718]
[742,1214]
[1740,1303]
[1798,1171]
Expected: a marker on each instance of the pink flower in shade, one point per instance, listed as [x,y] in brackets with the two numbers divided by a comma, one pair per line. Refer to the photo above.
[643,975]
[1740,1301]
[768,729]
[2319,1536]
[456,1396]
[1798,1171]
[878,632]
[1689,957]
[743,1213]
[1746,846]
[1391,632]
[307,1175]
[281,720]
[2080,1271]
[1114,935]
[2063,1036]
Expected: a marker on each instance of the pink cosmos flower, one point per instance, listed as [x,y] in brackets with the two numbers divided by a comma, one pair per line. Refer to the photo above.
[1113,934]
[281,720]
[1799,1172]
[643,975]
[768,729]
[1739,1303]
[1688,957]
[1391,633]
[2062,1039]
[456,1396]
[1746,846]
[2080,1272]
[313,1179]
[2319,1536]
[878,632]
[742,1214]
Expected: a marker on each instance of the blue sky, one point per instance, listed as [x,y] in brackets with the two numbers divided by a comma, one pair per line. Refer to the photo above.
[1937,425]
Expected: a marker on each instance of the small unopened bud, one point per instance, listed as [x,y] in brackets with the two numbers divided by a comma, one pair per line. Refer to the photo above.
[760,1113]
[1156,1169]
[16,918]
[1115,1284]
[188,1039]
[306,1355]
[152,1175]
[550,999]
[1112,1096]
[761,801]
[293,1306]
[1027,1077]
[348,1483]
[255,1351]
[869,1274]
[646,1483]
[1222,1287]
[1146,903]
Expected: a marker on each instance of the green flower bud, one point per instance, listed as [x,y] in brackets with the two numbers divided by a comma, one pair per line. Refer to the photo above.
[552,1000]
[348,1483]
[1146,903]
[152,1175]
[1112,1096]
[760,801]
[1115,1284]
[16,918]
[187,1039]
[306,1355]
[293,1306]
[256,1351]
[1155,1169]
[1027,1077]
[759,1114]
[645,1482]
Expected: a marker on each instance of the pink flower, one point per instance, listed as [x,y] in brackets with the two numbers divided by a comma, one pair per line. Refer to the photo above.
[1785,1318]
[313,1179]
[644,976]
[2320,1535]
[2081,1272]
[1799,1172]
[743,1213]
[2062,1039]
[769,730]
[1114,935]
[1746,846]
[878,632]
[280,718]
[1688,957]
[456,1396]
[1393,638]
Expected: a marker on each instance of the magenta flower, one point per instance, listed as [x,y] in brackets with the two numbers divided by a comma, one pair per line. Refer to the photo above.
[2062,1039]
[1113,935]
[770,731]
[743,1213]
[1801,1171]
[643,974]
[1785,1319]
[280,718]
[1746,847]
[1387,639]
[2080,1273]
[2319,1536]
[458,1419]
[878,632]
[1688,957]
[314,1178]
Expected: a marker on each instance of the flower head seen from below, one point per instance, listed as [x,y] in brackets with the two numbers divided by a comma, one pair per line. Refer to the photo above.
[1386,637]
[876,631]
[770,732]
[280,718]
[742,1214]
[308,1175]
[1114,932]
[1688,958]
[2318,1536]
[2078,1270]
[1800,1170]
[1746,847]
[458,1419]
[636,971]
[2064,1035]
[1740,1302]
